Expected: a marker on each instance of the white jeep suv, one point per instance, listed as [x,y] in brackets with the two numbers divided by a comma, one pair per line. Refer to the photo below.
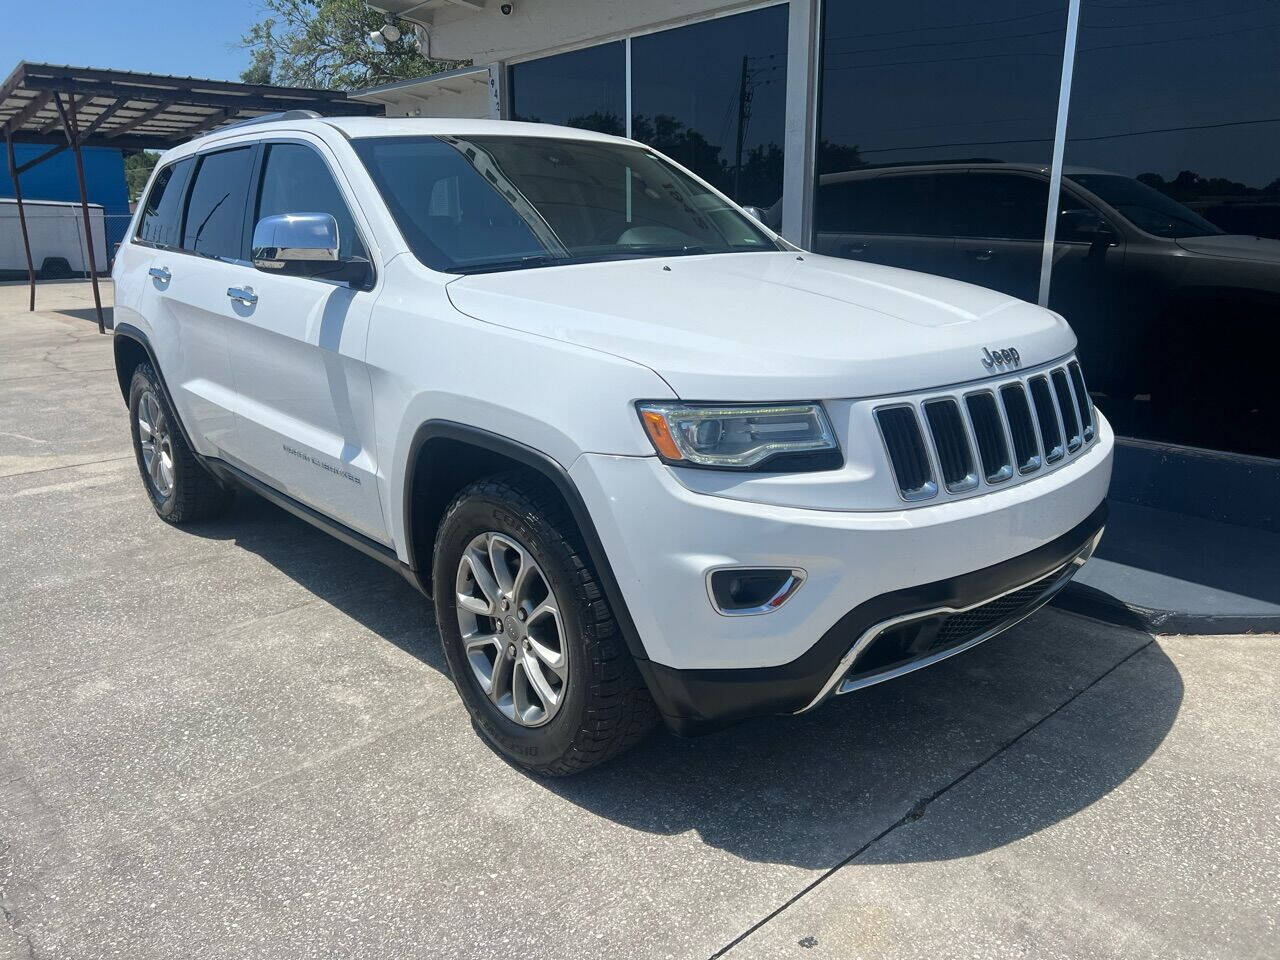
[650,460]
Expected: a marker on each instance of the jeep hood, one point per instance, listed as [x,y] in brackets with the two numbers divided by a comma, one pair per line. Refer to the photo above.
[769,326]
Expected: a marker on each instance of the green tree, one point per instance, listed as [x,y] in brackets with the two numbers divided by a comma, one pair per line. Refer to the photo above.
[137,168]
[325,43]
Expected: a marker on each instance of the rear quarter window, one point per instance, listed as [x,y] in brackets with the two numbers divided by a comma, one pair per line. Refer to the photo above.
[158,224]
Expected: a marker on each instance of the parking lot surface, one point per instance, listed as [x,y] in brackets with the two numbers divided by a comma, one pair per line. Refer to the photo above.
[238,740]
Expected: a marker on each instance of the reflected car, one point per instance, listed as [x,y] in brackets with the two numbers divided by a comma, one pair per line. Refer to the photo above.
[1150,286]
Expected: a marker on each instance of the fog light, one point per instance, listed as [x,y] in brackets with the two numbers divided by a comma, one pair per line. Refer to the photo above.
[744,591]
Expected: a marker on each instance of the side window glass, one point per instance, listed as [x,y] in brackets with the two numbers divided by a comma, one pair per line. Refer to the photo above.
[214,221]
[159,222]
[1004,206]
[295,179]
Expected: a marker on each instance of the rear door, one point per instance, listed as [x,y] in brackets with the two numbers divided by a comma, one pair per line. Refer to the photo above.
[1001,231]
[189,278]
[895,219]
[305,421]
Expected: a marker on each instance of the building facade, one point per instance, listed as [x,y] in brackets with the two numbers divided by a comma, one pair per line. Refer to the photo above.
[1118,162]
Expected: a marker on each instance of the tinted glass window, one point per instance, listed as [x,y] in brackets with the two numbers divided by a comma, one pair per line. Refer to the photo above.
[885,204]
[712,95]
[1175,126]
[585,88]
[921,83]
[1003,206]
[485,203]
[214,222]
[159,221]
[1145,207]
[295,179]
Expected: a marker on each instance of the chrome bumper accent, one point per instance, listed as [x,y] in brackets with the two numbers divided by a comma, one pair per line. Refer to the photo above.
[837,684]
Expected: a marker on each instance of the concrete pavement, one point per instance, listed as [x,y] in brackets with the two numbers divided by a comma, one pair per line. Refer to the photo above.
[238,740]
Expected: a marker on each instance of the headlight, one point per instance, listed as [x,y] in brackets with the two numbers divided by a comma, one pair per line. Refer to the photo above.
[779,436]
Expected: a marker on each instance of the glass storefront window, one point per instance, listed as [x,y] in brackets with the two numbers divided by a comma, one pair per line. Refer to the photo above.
[712,95]
[1167,260]
[935,132]
[585,88]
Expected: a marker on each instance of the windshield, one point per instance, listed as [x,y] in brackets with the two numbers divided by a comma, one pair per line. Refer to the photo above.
[479,204]
[1145,207]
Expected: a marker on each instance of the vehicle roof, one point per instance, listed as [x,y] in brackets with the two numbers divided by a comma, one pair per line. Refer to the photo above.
[360,127]
[948,166]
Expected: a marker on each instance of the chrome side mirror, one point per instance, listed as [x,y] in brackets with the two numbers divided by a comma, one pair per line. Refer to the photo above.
[305,245]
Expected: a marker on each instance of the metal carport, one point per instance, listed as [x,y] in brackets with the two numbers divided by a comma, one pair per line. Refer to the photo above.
[74,107]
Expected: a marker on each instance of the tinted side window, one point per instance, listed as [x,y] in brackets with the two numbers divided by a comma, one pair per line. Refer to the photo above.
[159,221]
[887,205]
[1004,207]
[295,179]
[214,222]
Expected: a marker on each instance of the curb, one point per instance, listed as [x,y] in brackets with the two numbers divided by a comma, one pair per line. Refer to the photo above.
[1098,605]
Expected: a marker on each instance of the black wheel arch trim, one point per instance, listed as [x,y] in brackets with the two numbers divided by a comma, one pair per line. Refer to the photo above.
[551,470]
[130,332]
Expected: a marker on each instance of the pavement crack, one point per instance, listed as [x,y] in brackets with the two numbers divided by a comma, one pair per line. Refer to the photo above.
[921,806]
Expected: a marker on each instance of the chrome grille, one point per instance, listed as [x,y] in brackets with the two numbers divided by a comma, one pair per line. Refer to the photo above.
[903,441]
[959,442]
[954,457]
[1067,408]
[993,449]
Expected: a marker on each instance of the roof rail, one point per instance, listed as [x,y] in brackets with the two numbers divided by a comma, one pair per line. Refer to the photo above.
[266,118]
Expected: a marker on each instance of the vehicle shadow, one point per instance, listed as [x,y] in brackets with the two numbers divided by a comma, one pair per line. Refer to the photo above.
[810,790]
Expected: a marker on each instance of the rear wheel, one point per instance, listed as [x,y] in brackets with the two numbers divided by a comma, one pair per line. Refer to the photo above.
[531,641]
[180,489]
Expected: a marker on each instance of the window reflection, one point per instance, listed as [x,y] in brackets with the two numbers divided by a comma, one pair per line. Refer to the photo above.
[712,96]
[585,89]
[1167,261]
[936,126]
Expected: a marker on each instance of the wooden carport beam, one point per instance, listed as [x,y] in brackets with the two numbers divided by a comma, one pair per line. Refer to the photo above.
[73,136]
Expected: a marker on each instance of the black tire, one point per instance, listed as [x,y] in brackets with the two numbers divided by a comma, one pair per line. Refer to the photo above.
[194,493]
[605,707]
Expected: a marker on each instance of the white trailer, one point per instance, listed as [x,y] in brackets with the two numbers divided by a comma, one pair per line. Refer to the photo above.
[56,230]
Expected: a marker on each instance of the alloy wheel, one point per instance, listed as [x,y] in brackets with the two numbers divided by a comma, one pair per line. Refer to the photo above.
[512,631]
[156,442]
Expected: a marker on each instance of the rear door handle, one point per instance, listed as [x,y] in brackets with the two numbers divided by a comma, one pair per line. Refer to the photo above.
[161,273]
[856,248]
[243,295]
[983,256]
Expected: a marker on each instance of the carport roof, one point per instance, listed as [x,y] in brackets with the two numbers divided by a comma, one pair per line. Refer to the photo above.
[133,111]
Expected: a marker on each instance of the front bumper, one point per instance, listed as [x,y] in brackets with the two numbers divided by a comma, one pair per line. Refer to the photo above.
[698,701]
[862,568]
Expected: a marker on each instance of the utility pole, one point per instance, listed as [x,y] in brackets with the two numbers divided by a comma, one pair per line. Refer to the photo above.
[744,116]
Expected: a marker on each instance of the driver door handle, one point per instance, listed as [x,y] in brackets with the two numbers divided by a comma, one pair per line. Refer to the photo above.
[983,256]
[243,295]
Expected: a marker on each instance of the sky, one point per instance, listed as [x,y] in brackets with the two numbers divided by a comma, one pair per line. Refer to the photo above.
[197,38]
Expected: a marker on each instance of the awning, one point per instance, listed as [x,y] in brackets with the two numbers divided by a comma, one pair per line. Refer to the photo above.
[74,107]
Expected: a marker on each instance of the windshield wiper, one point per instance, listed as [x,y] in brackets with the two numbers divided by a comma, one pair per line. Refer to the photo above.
[515,263]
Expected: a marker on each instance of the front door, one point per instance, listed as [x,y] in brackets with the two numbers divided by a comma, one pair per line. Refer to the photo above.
[305,408]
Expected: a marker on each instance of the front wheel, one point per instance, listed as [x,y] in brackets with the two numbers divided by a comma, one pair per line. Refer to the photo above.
[531,641]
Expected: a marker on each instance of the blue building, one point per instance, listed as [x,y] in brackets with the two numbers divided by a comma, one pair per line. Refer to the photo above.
[55,179]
